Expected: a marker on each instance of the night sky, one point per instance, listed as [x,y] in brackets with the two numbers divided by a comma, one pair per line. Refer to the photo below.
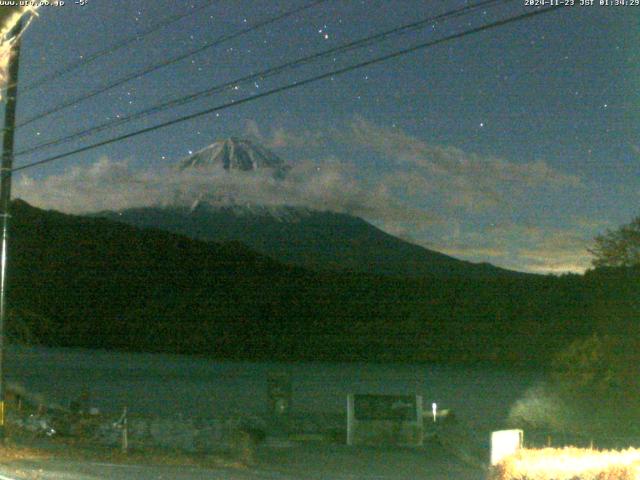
[513,146]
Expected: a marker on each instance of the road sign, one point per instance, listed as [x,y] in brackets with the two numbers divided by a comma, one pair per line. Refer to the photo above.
[384,419]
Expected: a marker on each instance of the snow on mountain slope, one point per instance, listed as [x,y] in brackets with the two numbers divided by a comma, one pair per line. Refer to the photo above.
[236,154]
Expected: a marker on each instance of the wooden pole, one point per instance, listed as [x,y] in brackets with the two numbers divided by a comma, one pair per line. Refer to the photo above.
[5,196]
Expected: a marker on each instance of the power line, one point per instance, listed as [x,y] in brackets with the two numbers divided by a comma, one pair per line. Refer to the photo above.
[218,41]
[293,85]
[360,43]
[113,48]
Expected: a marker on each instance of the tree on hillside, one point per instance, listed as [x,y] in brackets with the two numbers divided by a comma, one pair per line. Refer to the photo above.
[619,247]
[589,367]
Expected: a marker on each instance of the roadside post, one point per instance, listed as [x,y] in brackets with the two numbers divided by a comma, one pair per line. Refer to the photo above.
[125,432]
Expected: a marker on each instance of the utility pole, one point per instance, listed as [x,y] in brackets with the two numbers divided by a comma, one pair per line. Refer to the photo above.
[5,196]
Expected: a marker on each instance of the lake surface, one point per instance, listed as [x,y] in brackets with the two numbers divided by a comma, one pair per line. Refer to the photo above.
[173,385]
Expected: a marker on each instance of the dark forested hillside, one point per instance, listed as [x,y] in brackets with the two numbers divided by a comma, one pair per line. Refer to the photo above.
[311,239]
[91,282]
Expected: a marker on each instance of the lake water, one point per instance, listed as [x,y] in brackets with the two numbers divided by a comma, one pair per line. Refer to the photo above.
[172,385]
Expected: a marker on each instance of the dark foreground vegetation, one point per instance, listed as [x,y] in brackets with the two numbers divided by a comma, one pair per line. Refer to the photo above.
[91,282]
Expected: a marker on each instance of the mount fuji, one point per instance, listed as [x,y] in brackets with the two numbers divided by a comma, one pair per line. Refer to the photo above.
[319,240]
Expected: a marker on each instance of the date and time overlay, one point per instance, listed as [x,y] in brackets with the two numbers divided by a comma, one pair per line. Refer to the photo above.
[42,3]
[527,3]
[581,3]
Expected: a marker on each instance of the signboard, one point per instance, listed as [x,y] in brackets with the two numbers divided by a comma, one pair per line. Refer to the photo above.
[384,419]
[385,407]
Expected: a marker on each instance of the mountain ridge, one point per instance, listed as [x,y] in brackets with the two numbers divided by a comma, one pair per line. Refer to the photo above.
[309,238]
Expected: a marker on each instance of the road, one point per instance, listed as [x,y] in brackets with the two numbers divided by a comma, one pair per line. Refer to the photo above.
[313,462]
[68,470]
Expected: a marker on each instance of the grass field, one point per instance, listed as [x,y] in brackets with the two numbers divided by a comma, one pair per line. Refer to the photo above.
[569,464]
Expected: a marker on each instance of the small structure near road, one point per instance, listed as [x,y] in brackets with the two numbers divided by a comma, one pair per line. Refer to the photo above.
[505,443]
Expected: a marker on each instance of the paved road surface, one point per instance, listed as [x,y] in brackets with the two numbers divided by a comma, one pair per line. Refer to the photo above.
[312,462]
[66,470]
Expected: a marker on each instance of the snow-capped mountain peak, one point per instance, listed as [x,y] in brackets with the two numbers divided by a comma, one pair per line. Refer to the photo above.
[235,154]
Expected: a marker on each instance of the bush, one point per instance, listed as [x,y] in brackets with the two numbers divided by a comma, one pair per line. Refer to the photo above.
[541,409]
[598,377]
[592,391]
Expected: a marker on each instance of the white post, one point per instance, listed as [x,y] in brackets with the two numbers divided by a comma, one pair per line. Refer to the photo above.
[420,420]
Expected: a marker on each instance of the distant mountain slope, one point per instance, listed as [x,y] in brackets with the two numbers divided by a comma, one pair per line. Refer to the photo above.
[313,239]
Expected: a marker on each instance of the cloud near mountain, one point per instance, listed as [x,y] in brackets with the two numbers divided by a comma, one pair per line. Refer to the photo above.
[494,178]
[539,249]
[439,196]
[115,185]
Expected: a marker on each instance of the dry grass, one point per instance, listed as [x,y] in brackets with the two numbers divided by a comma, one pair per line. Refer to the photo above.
[18,447]
[569,464]
[12,453]
[22,445]
[14,449]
